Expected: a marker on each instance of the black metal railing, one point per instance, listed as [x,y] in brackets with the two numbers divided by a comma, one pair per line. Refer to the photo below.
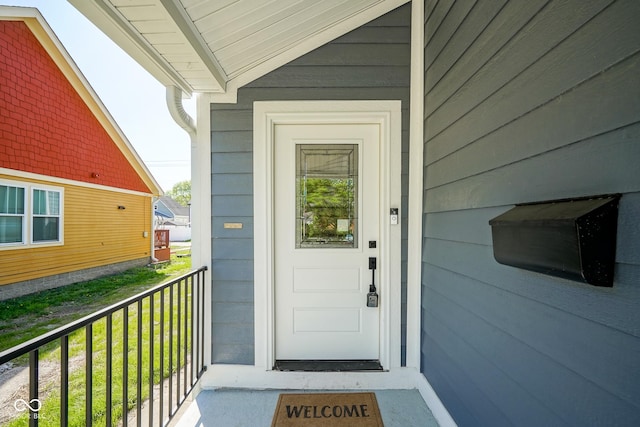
[160,348]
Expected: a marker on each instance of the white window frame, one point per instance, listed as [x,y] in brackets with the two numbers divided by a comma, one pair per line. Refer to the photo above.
[28,216]
[24,215]
[59,215]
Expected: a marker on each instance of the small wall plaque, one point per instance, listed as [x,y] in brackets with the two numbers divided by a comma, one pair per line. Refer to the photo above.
[233,225]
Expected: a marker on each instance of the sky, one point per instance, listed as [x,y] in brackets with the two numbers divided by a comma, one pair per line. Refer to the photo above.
[134,98]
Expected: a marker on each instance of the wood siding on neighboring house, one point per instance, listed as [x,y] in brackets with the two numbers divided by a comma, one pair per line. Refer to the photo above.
[528,101]
[369,63]
[96,233]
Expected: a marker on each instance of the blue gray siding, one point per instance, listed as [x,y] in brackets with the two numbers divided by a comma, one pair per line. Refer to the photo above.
[371,62]
[529,101]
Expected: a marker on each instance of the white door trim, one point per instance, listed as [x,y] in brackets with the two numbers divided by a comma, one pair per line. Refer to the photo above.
[266,115]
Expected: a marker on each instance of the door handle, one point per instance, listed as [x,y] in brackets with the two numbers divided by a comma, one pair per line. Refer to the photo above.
[372,296]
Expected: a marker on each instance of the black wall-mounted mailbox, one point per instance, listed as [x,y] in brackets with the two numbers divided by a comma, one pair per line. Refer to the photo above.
[574,239]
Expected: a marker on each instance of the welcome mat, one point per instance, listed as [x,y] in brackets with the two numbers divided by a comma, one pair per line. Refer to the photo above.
[327,410]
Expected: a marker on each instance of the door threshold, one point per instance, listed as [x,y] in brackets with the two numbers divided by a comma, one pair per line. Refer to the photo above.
[327,365]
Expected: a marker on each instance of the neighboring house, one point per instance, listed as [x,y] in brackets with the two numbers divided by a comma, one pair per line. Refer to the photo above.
[171,215]
[171,211]
[446,113]
[76,201]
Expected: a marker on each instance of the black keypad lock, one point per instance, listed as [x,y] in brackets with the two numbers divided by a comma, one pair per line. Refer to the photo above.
[372,299]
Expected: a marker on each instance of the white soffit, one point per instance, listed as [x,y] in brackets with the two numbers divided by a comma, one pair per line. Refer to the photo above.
[219,45]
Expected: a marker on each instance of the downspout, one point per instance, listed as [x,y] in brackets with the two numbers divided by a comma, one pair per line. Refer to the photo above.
[181,117]
[200,191]
[186,122]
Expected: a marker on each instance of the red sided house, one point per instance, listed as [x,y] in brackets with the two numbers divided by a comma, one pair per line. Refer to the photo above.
[76,201]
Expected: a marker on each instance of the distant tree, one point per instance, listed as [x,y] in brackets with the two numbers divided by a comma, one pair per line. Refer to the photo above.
[325,201]
[181,192]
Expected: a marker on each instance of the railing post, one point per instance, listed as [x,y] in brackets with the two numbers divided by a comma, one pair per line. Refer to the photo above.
[170,412]
[161,403]
[88,415]
[193,327]
[178,341]
[151,343]
[201,278]
[197,342]
[109,369]
[33,388]
[139,371]
[64,380]
[125,366]
[186,336]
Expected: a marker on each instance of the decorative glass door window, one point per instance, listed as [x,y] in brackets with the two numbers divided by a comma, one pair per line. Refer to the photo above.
[326,196]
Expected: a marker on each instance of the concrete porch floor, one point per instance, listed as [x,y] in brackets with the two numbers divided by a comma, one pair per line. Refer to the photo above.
[255,408]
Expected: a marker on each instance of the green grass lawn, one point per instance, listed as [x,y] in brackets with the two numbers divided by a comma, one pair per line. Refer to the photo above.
[27,317]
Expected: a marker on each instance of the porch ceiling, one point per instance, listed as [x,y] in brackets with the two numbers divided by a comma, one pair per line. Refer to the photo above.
[218,46]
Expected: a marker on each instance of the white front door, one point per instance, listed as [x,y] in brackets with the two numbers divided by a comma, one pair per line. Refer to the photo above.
[326,229]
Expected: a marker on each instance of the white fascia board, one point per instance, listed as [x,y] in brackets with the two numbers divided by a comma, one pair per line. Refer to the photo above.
[10,12]
[305,46]
[195,40]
